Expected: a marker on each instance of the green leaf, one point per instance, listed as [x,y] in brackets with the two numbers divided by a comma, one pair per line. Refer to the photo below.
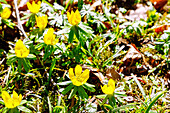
[153,101]
[31,20]
[23,102]
[8,23]
[82,92]
[73,92]
[11,59]
[59,109]
[108,106]
[122,107]
[104,101]
[48,51]
[26,64]
[76,31]
[80,4]
[1,9]
[24,109]
[65,63]
[19,64]
[120,93]
[64,83]
[83,31]
[101,96]
[31,56]
[1,102]
[89,87]
[4,110]
[111,102]
[14,110]
[51,68]
[67,89]
[4,1]
[39,46]
[71,35]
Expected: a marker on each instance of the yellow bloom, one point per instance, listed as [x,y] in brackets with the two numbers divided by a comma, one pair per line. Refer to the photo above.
[41,21]
[80,77]
[49,38]
[110,88]
[20,49]
[5,13]
[11,102]
[74,18]
[34,8]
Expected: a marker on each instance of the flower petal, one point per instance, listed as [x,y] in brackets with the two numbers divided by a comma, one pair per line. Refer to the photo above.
[29,6]
[5,13]
[78,70]
[20,49]
[7,99]
[78,16]
[76,82]
[71,73]
[111,83]
[85,76]
[5,96]
[39,3]
[109,89]
[15,95]
[20,98]
[16,99]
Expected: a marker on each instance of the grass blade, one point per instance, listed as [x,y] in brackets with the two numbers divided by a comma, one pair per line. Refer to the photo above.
[153,102]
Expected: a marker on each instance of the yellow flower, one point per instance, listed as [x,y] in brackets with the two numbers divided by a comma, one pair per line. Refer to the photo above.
[34,8]
[5,13]
[49,38]
[11,102]
[110,88]
[20,49]
[41,21]
[74,18]
[80,77]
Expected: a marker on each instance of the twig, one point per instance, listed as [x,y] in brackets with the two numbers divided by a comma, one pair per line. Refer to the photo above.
[18,19]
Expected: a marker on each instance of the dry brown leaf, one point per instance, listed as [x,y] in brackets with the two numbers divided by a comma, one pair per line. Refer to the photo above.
[112,73]
[159,4]
[129,62]
[161,29]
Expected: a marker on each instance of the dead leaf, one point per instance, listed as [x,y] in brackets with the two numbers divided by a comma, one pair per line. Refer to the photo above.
[112,73]
[161,29]
[159,4]
[132,57]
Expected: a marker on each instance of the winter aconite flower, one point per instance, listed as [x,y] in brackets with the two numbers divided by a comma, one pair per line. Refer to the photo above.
[74,18]
[49,37]
[78,78]
[5,14]
[20,49]
[41,21]
[110,88]
[11,102]
[34,8]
